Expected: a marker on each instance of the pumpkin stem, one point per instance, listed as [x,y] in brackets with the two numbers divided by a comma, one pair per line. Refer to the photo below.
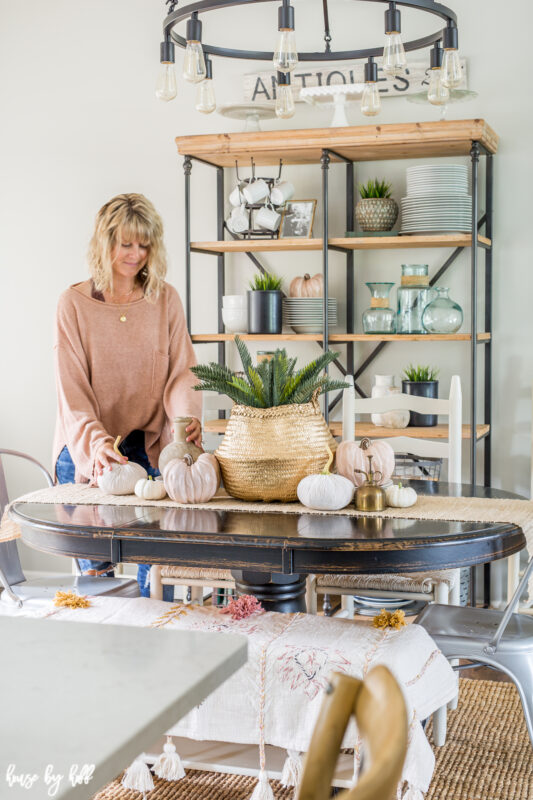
[364,444]
[189,460]
[307,277]
[115,446]
[150,478]
[325,471]
[400,485]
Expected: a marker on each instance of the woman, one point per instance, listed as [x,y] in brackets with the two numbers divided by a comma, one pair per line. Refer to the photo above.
[123,356]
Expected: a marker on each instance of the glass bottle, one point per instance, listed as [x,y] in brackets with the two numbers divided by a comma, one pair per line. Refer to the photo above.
[414,294]
[442,315]
[379,318]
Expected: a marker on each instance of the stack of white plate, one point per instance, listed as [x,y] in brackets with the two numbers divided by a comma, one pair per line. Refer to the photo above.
[305,314]
[437,199]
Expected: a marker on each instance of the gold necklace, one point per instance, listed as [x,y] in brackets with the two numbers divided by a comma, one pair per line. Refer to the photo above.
[123,317]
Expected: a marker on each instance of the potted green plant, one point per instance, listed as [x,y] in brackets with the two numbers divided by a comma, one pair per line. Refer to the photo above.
[265,304]
[422,382]
[376,210]
[276,434]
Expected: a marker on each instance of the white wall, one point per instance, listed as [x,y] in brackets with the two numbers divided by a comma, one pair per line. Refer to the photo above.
[80,123]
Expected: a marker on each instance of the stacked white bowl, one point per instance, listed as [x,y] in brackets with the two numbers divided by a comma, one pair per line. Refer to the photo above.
[305,314]
[437,199]
[235,313]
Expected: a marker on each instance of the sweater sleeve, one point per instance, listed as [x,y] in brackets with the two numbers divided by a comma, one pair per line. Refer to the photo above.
[179,397]
[77,404]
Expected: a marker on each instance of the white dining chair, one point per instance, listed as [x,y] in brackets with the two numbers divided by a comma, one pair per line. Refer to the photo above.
[196,579]
[442,586]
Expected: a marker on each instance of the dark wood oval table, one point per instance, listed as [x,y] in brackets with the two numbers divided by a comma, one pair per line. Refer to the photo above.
[270,553]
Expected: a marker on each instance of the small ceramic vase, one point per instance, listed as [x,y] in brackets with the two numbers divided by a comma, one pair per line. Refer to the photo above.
[383,387]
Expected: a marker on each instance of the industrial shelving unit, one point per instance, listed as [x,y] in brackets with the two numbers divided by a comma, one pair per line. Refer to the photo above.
[327,147]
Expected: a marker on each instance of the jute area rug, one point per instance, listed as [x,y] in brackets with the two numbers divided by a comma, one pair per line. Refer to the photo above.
[487,756]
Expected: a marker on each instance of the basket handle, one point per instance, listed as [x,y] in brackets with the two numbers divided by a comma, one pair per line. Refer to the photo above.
[314,399]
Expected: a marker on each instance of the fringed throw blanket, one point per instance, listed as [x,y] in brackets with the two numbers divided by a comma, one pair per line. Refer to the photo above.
[275,698]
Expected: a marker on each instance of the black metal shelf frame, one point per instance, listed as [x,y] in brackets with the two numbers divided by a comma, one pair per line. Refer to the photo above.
[477,224]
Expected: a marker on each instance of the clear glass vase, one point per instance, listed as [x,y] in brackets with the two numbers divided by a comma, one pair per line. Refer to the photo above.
[442,315]
[414,293]
[379,318]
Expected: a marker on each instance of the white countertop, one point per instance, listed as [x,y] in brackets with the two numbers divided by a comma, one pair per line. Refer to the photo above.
[88,694]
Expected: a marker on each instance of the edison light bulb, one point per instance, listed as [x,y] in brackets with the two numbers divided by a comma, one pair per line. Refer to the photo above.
[284,102]
[371,101]
[451,69]
[438,94]
[166,88]
[285,55]
[194,62]
[394,59]
[205,97]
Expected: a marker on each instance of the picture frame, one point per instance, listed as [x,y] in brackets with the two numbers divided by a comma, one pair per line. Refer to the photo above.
[297,219]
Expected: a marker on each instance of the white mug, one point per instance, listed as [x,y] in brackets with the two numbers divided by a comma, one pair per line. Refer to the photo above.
[268,218]
[281,193]
[236,197]
[239,221]
[256,191]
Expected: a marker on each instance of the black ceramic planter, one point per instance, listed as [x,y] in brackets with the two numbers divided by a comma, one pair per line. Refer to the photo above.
[264,312]
[421,389]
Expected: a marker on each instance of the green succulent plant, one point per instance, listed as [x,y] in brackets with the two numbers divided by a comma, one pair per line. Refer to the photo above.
[271,383]
[375,188]
[420,373]
[265,283]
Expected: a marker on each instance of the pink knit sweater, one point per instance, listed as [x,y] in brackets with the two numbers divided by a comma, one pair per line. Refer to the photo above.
[114,377]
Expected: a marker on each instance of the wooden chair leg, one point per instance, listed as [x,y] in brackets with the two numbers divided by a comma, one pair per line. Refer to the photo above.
[513,574]
[311,599]
[347,604]
[439,726]
[156,587]
[197,595]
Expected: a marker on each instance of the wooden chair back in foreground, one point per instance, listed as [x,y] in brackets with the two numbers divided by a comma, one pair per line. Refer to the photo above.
[381,716]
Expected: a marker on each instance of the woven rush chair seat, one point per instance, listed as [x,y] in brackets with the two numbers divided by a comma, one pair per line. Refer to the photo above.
[196,573]
[413,582]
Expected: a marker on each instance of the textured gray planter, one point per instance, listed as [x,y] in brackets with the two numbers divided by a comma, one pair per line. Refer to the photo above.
[376,213]
[264,312]
[421,389]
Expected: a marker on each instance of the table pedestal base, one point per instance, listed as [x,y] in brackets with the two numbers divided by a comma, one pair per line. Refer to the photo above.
[275,592]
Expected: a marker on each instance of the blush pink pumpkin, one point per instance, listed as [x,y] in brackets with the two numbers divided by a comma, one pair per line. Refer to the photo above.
[307,286]
[354,455]
[192,482]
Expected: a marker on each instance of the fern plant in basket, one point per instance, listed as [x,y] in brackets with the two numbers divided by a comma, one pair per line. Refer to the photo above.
[376,210]
[276,434]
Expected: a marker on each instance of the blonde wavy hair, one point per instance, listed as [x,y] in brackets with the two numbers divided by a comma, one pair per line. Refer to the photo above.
[128,217]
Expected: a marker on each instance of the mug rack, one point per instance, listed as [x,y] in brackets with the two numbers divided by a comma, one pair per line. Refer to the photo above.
[250,208]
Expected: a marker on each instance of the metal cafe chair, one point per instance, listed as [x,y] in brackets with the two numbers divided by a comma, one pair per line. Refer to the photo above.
[18,589]
[502,640]
[379,709]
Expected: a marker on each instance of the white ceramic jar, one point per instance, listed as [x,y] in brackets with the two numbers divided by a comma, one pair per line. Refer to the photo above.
[383,387]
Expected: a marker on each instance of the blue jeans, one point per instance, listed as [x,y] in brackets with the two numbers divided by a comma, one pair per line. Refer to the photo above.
[133,448]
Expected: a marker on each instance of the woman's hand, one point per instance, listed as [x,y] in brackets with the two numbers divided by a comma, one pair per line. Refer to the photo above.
[194,432]
[106,457]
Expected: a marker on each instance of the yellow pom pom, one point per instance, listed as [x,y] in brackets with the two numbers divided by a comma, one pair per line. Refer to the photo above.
[389,619]
[70,600]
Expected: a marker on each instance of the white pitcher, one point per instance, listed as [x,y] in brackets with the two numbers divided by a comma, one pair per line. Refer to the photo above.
[384,386]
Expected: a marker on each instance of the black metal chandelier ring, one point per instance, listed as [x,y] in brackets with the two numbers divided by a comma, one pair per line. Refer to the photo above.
[204,6]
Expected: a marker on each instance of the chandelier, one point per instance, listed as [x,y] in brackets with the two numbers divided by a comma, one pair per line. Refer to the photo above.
[445,67]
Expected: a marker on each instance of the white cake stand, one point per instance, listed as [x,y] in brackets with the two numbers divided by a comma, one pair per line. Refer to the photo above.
[252,113]
[335,97]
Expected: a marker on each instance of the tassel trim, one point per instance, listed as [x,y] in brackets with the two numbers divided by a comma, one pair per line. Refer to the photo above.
[138,776]
[292,769]
[263,790]
[168,765]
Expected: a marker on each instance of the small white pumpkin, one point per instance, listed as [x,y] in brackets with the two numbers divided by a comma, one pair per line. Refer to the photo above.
[148,489]
[121,478]
[192,482]
[325,492]
[400,496]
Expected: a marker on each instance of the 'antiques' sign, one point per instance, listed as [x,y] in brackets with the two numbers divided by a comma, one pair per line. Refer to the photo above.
[261,86]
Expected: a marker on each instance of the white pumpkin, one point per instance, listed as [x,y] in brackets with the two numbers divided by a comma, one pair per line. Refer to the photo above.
[325,492]
[400,496]
[148,489]
[192,482]
[121,478]
[307,286]
[354,455]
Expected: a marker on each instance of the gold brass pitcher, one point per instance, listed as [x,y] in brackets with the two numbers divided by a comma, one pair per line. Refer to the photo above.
[370,496]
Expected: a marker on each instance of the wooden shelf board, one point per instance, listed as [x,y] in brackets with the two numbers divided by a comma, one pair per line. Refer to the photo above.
[339,338]
[375,432]
[349,243]
[357,143]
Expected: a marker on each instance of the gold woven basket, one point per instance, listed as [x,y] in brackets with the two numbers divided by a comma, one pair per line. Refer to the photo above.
[266,452]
